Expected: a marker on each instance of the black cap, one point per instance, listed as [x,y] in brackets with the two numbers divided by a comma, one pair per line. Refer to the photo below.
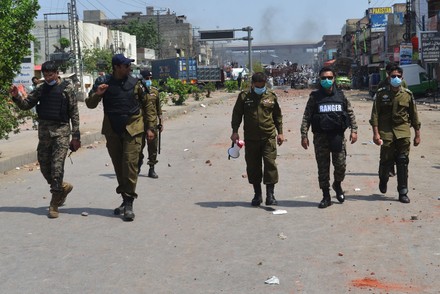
[146,74]
[121,59]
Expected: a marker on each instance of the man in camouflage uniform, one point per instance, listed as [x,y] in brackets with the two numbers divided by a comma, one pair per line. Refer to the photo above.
[125,116]
[57,107]
[394,112]
[329,113]
[153,104]
[259,109]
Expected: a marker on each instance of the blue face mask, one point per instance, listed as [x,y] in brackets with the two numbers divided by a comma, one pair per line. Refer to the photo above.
[51,83]
[326,84]
[148,83]
[396,82]
[259,91]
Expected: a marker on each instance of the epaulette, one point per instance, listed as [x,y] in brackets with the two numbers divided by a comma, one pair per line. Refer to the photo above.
[407,90]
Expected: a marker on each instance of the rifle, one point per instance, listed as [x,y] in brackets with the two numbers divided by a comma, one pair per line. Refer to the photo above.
[159,134]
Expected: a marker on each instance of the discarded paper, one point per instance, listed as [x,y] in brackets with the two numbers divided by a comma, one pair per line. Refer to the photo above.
[272,281]
[279,211]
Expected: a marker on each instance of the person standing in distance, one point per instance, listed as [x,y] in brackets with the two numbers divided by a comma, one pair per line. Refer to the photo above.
[154,106]
[263,129]
[394,112]
[58,117]
[329,113]
[125,111]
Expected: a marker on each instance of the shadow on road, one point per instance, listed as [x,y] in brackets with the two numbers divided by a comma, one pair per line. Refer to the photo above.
[110,176]
[43,210]
[281,203]
[373,197]
[362,174]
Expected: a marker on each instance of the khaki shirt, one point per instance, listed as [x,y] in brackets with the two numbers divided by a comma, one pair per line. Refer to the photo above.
[394,113]
[261,114]
[153,105]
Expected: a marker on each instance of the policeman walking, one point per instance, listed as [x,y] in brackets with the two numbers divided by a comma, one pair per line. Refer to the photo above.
[125,112]
[394,112]
[57,108]
[263,129]
[153,102]
[329,113]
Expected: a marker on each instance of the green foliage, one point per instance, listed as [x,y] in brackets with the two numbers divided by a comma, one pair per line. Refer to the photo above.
[196,92]
[16,21]
[64,43]
[245,84]
[145,32]
[177,87]
[257,67]
[208,88]
[231,86]
[97,60]
[163,98]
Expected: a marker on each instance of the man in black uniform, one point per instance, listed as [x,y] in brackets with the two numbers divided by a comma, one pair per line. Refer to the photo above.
[329,113]
[57,109]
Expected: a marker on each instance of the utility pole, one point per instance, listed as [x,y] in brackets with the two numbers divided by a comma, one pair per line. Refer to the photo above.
[249,39]
[46,33]
[73,24]
[408,16]
[159,41]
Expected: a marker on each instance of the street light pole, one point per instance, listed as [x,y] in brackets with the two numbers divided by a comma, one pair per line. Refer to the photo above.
[249,39]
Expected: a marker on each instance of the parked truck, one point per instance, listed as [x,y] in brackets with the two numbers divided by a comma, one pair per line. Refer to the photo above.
[418,80]
[177,68]
[210,74]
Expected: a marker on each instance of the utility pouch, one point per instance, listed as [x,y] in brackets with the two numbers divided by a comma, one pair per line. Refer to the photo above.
[335,141]
[118,122]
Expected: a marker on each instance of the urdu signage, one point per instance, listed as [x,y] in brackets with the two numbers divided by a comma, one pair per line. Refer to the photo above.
[430,46]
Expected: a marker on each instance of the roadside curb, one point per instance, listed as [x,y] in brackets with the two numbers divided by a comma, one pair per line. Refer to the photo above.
[169,112]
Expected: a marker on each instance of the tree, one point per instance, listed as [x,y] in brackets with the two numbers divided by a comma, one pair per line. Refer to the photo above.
[145,32]
[16,21]
[97,60]
[257,67]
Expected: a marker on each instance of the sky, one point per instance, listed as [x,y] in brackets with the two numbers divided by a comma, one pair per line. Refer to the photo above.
[277,21]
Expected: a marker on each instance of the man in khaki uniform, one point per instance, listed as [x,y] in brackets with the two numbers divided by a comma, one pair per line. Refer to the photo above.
[394,112]
[153,102]
[125,112]
[259,109]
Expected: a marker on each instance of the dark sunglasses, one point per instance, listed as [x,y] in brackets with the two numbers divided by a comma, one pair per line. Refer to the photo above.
[326,78]
[396,76]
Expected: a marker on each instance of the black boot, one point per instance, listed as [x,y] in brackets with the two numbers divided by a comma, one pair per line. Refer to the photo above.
[128,208]
[152,173]
[119,210]
[384,175]
[339,192]
[256,201]
[326,200]
[383,185]
[270,198]
[402,177]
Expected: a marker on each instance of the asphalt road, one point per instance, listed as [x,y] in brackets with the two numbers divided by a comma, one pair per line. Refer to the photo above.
[195,231]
